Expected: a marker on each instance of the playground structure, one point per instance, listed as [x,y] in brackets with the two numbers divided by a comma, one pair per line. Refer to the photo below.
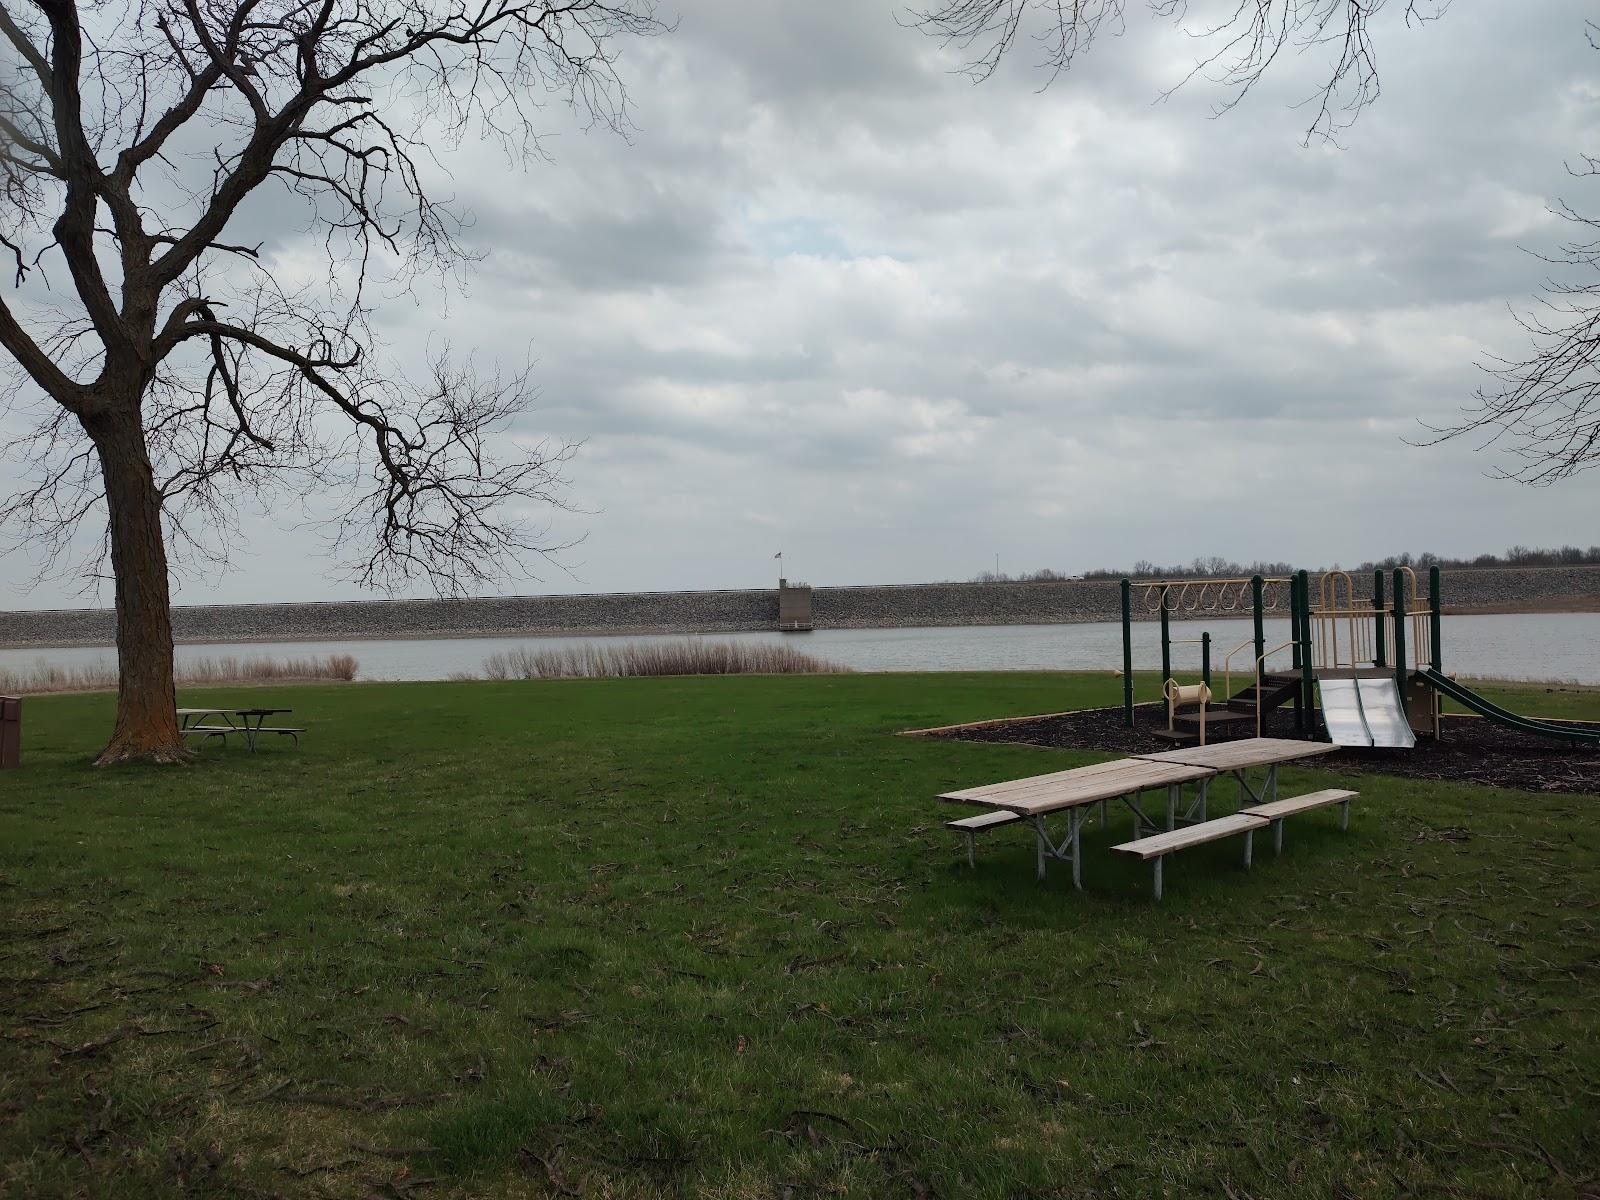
[1367,671]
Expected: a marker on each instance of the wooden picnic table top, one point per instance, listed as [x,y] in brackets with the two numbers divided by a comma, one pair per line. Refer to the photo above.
[200,712]
[1039,794]
[1238,755]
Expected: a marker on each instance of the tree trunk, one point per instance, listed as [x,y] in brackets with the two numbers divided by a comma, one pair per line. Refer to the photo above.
[147,720]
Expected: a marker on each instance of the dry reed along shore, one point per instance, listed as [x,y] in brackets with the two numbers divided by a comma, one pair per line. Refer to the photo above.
[687,657]
[582,661]
[199,672]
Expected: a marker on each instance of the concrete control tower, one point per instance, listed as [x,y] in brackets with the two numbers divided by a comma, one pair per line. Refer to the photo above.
[794,607]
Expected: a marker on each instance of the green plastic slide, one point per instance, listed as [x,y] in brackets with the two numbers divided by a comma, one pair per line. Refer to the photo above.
[1489,710]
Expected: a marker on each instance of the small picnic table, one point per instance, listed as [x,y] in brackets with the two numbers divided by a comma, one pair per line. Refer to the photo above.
[1235,758]
[252,722]
[1075,791]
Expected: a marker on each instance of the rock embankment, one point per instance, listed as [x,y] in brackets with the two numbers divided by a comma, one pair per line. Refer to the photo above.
[1520,589]
[632,612]
[1532,589]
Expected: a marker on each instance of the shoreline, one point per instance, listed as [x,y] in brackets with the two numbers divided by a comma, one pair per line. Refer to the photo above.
[1547,685]
[1557,606]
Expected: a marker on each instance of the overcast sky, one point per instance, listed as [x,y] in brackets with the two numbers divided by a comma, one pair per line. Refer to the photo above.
[833,299]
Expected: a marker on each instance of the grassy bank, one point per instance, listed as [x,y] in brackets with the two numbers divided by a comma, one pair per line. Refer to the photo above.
[708,937]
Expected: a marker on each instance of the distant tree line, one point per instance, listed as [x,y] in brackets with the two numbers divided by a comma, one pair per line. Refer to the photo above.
[1516,556]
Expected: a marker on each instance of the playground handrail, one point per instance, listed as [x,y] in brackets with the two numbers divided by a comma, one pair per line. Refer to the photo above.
[1227,664]
[1416,596]
[1260,663]
[1328,588]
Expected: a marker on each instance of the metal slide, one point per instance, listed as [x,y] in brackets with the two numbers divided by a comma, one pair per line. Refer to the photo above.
[1365,712]
[1491,711]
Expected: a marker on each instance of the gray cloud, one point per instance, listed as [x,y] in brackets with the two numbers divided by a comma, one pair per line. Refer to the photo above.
[831,298]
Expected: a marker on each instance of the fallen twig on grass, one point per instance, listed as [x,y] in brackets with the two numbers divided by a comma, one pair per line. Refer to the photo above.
[122,1034]
[551,1171]
[370,1104]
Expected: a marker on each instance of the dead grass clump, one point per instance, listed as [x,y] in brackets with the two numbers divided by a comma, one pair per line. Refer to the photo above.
[690,656]
[199,672]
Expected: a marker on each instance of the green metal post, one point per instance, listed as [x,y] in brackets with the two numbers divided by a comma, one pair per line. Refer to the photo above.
[1127,653]
[1257,606]
[1205,659]
[1294,621]
[1380,649]
[1308,677]
[1166,641]
[1294,651]
[1435,594]
[1400,633]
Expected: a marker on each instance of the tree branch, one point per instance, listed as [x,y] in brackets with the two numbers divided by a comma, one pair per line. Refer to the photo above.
[39,366]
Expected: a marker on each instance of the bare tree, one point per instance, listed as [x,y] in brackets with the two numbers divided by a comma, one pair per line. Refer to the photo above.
[1236,47]
[180,366]
[1544,410]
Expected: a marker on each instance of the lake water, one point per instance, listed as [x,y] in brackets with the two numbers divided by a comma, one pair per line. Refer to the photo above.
[1550,647]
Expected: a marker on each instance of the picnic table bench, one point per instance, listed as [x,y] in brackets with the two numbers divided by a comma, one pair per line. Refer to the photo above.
[251,724]
[1245,821]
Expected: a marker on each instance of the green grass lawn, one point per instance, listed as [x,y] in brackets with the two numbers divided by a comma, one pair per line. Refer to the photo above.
[708,937]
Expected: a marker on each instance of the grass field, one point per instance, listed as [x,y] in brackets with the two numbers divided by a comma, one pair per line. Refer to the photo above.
[630,938]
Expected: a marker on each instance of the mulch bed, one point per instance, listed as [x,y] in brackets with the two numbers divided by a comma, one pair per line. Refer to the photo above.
[1472,750]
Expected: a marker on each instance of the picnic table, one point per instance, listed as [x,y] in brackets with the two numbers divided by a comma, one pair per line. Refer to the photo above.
[252,722]
[1127,779]
[1074,791]
[1235,758]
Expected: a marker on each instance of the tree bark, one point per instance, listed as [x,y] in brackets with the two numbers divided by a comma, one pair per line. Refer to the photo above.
[147,720]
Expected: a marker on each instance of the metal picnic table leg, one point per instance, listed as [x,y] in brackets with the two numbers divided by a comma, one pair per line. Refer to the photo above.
[1160,858]
[1072,844]
[1172,807]
[1075,817]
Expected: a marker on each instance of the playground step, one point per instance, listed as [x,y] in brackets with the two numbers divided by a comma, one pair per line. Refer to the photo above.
[1278,690]
[1214,713]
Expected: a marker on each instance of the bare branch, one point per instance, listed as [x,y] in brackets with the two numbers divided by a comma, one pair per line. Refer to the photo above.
[43,370]
[1544,410]
[1239,46]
